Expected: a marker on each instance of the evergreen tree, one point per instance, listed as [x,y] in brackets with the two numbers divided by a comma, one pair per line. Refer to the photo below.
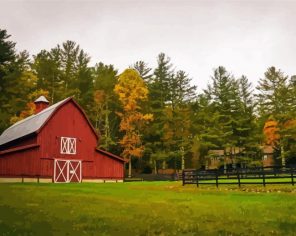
[106,104]
[16,80]
[143,69]
[273,93]
[276,101]
[247,132]
[223,93]
[47,66]
[159,97]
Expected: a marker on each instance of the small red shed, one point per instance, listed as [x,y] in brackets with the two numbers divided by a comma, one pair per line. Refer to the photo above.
[57,144]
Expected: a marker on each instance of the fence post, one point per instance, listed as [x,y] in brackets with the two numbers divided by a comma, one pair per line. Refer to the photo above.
[217,179]
[292,176]
[196,178]
[238,178]
[263,175]
[183,177]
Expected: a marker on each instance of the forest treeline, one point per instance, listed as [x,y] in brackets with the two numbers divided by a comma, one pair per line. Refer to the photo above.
[229,114]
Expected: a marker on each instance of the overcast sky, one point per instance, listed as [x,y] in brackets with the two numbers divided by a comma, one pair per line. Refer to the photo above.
[244,36]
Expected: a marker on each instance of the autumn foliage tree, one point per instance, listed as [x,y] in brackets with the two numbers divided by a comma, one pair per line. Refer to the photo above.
[132,91]
[271,132]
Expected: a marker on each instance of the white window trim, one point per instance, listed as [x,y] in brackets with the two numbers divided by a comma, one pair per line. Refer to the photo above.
[68,145]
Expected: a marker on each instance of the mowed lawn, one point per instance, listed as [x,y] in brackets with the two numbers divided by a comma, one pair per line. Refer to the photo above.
[146,208]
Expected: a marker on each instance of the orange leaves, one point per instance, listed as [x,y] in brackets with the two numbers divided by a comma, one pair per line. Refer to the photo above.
[290,124]
[270,131]
[30,106]
[134,120]
[30,110]
[273,131]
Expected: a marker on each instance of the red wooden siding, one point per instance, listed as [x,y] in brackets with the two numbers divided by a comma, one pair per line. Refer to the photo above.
[107,168]
[67,122]
[20,163]
[46,167]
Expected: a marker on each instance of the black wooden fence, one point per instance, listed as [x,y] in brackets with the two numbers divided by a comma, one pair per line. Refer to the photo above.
[263,175]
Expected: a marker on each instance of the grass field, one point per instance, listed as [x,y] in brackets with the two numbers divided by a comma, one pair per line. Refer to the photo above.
[146,208]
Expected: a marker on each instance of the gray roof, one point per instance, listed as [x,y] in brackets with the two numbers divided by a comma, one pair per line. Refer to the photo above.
[41,99]
[29,125]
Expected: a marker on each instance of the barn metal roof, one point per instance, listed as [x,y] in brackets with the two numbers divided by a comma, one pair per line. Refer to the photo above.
[29,125]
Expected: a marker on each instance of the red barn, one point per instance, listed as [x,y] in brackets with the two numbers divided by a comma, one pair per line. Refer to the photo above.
[57,144]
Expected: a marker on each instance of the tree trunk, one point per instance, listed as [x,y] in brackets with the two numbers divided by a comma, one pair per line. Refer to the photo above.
[283,156]
[225,165]
[130,167]
[163,164]
[107,127]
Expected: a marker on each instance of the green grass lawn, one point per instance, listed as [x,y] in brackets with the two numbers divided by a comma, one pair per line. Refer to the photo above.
[146,208]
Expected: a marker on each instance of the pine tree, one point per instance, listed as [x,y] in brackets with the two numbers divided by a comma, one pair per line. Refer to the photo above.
[17,82]
[273,92]
[247,132]
[106,104]
[159,97]
[224,97]
[143,70]
[276,100]
[7,58]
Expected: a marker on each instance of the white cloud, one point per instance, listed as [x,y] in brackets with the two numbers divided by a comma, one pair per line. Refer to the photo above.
[244,36]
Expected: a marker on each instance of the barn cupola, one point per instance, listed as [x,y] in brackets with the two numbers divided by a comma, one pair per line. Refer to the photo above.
[41,103]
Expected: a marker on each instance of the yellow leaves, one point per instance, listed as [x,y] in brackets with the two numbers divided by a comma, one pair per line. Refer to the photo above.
[14,119]
[133,121]
[132,145]
[37,93]
[131,90]
[148,117]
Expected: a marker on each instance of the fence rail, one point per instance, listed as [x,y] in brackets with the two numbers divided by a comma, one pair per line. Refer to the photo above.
[264,176]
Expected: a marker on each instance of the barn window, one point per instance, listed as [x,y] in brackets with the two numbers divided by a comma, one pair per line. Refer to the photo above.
[68,145]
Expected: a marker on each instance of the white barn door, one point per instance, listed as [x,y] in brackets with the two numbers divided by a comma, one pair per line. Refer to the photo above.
[66,171]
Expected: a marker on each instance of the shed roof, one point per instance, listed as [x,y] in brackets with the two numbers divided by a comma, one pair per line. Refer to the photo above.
[110,154]
[29,125]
